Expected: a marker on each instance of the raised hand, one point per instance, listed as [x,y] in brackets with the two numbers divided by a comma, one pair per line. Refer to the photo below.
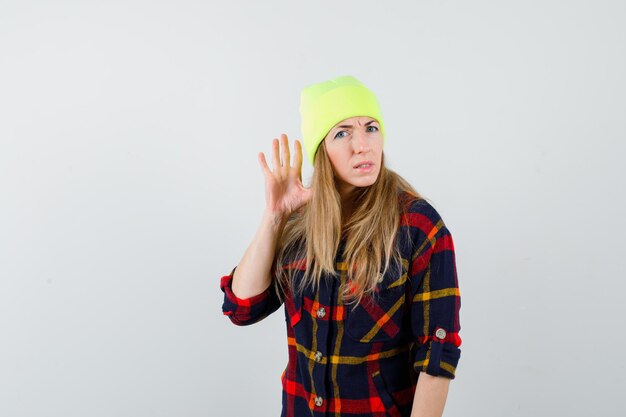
[284,192]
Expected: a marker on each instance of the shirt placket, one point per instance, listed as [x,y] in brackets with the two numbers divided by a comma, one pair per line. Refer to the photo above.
[321,316]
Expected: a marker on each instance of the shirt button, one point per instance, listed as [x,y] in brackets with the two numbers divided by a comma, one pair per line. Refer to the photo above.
[440,333]
[319,401]
[321,312]
[318,356]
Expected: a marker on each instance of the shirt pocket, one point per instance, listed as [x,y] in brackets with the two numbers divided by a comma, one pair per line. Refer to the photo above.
[377,318]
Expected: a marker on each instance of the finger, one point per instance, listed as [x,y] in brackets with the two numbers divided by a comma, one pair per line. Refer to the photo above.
[297,159]
[286,153]
[275,155]
[263,163]
[308,193]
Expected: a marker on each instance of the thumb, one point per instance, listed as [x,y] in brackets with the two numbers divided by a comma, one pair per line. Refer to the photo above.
[308,193]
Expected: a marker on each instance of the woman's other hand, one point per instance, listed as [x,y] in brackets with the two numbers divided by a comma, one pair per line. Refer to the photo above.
[284,192]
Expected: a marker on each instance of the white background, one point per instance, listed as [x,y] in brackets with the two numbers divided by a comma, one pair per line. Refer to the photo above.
[129,184]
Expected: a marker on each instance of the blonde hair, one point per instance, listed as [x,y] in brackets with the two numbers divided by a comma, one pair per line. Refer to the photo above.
[312,234]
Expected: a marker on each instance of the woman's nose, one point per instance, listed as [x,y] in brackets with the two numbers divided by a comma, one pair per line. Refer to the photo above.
[360,142]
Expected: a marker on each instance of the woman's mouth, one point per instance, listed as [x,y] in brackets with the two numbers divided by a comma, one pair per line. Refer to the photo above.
[365,167]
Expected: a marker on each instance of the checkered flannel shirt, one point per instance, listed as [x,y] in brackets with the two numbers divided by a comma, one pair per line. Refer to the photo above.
[366,362]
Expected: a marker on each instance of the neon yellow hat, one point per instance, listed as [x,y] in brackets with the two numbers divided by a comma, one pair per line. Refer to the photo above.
[324,104]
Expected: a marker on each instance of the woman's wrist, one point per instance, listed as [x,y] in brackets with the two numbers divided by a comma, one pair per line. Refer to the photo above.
[275,219]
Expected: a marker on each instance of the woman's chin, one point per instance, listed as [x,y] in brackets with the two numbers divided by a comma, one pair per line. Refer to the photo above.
[364,182]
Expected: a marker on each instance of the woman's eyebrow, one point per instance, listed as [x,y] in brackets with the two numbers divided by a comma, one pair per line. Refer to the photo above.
[350,126]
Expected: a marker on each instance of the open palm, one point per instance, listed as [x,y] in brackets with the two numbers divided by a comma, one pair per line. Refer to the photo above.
[284,192]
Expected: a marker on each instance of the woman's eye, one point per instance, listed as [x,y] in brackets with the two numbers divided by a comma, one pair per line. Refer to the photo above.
[341,131]
[375,127]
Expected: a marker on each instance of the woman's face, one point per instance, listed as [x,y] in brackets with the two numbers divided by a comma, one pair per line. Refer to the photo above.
[352,142]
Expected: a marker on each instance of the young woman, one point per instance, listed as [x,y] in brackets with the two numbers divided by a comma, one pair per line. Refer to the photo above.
[364,266]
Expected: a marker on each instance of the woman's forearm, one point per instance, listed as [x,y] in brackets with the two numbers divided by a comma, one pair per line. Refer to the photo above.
[252,275]
[430,395]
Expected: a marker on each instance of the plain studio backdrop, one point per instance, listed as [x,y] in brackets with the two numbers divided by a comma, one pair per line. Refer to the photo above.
[129,185]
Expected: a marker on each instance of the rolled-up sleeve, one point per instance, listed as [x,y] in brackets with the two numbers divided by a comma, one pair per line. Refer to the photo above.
[436,300]
[246,311]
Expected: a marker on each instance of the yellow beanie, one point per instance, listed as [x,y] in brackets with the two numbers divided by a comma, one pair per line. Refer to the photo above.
[324,104]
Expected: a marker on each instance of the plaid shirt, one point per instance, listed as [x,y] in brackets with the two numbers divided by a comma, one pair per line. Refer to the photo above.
[366,362]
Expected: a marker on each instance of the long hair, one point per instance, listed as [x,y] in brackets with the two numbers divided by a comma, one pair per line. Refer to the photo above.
[312,234]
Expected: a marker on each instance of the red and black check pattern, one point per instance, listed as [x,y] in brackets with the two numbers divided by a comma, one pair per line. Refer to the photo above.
[366,362]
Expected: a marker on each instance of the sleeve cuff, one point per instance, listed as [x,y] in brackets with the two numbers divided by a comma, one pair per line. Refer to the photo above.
[438,356]
[226,286]
[243,311]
